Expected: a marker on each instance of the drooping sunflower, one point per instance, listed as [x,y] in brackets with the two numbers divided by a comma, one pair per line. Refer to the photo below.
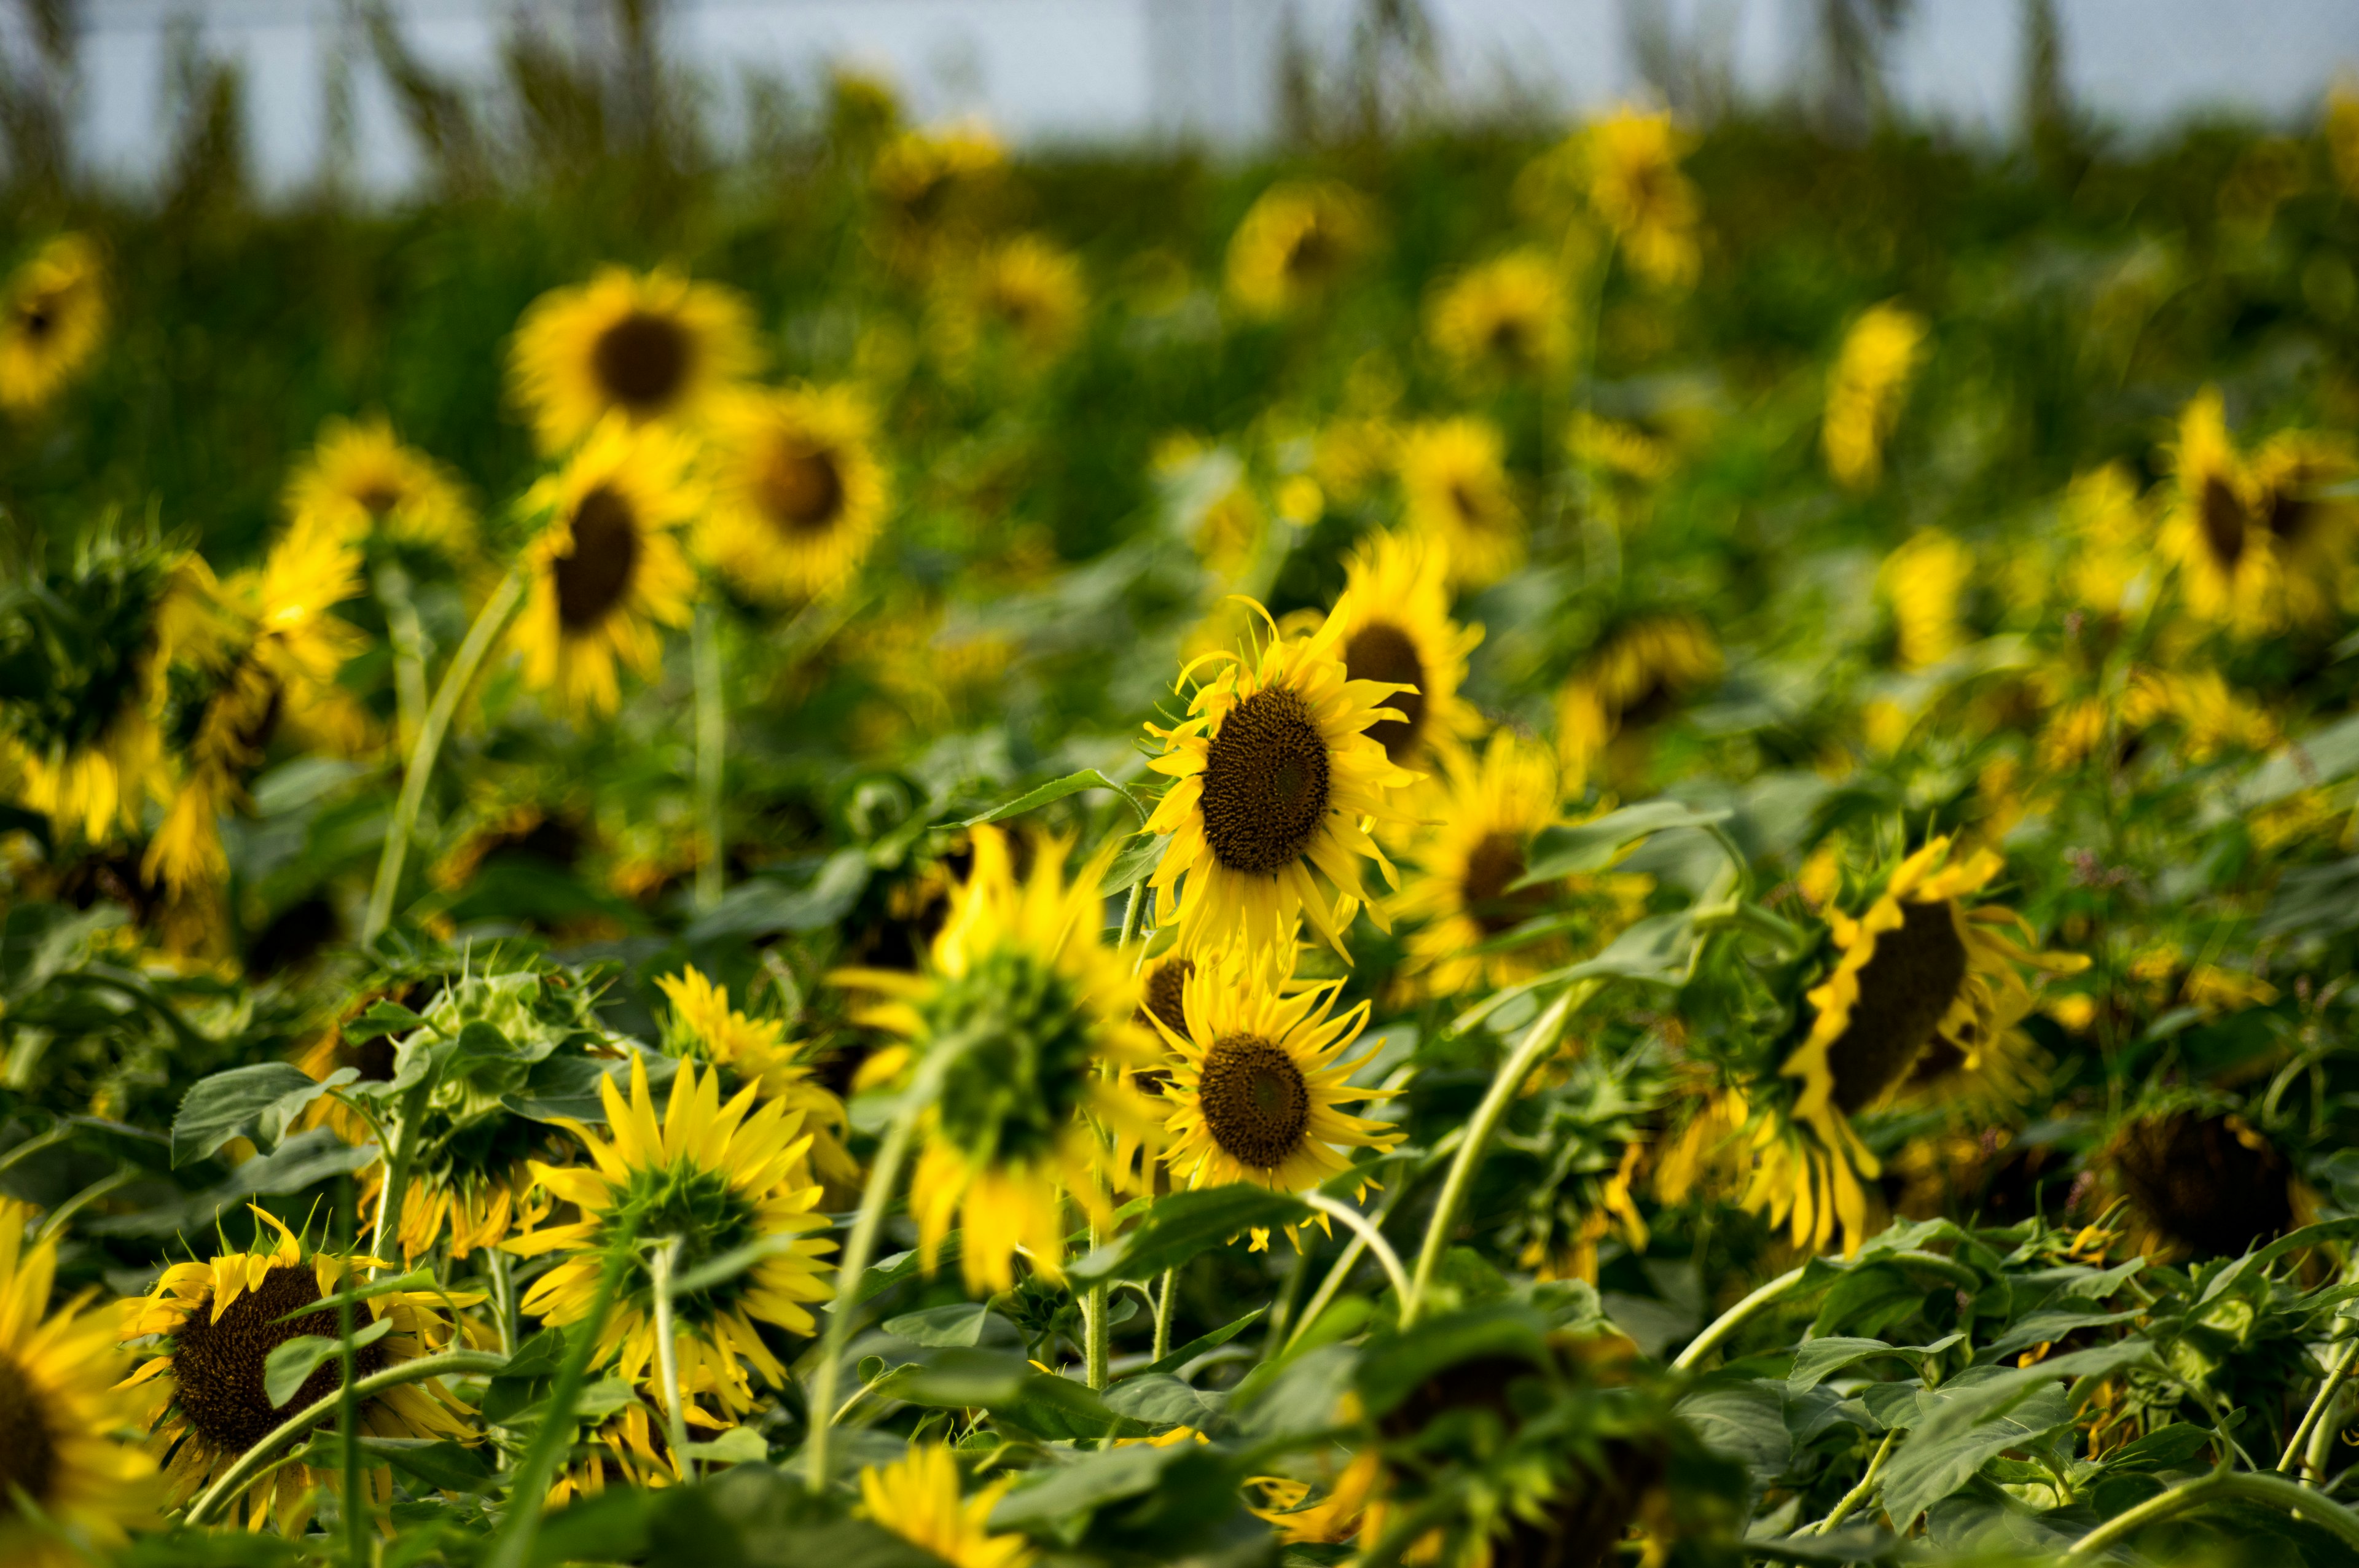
[916,1498]
[1923,581]
[1293,244]
[2300,484]
[1455,490]
[1399,632]
[641,346]
[1917,971]
[606,568]
[62,1413]
[1031,1004]
[1635,675]
[2200,1183]
[756,1050]
[1865,391]
[359,479]
[2226,556]
[629,1448]
[216,1324]
[1635,185]
[1505,319]
[797,491]
[52,315]
[716,1177]
[1274,781]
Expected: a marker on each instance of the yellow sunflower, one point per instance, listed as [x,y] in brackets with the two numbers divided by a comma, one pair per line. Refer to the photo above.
[2226,556]
[1923,581]
[716,1177]
[916,1498]
[756,1050]
[52,315]
[644,346]
[1037,1009]
[1027,289]
[927,184]
[360,479]
[1865,391]
[471,1208]
[1455,491]
[2301,480]
[1399,632]
[607,567]
[1506,319]
[1276,782]
[1637,675]
[1294,242]
[797,491]
[1636,186]
[216,1324]
[2201,1183]
[1917,968]
[61,1414]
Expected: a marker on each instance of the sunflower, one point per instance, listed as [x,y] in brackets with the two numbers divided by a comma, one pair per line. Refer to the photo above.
[52,315]
[929,182]
[1505,318]
[755,1051]
[717,1177]
[1294,242]
[60,1413]
[1455,491]
[1031,291]
[216,1325]
[1276,782]
[1636,186]
[2202,1183]
[359,479]
[1923,581]
[2301,480]
[607,567]
[1635,675]
[627,1449]
[916,1498]
[797,491]
[1034,1007]
[1399,633]
[2226,554]
[644,346]
[1865,391]
[1919,972]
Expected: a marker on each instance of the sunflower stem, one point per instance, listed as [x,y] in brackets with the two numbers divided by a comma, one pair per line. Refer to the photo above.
[883,1176]
[1735,1317]
[348,1405]
[659,1270]
[503,1293]
[2220,1485]
[1537,1042]
[490,621]
[712,750]
[402,1146]
[2339,1369]
[1169,1283]
[1364,1229]
[1858,1494]
[1342,1269]
[1097,1333]
[408,639]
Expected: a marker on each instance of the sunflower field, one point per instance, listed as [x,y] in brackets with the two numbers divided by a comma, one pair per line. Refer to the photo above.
[1521,846]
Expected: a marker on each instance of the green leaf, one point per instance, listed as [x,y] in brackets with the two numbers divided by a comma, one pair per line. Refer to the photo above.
[1057,1408]
[955,1378]
[1184,1224]
[380,1018]
[565,1087]
[2164,1448]
[1141,854]
[1393,1367]
[440,1464]
[1090,1481]
[289,1366]
[1160,1399]
[1744,1421]
[767,903]
[1593,846]
[1657,948]
[255,1102]
[1195,1347]
[1056,789]
[963,1325]
[2046,1326]
[738,1446]
[1819,1359]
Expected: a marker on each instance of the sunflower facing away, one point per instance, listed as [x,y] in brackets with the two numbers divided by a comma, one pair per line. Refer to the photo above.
[1399,632]
[52,315]
[797,491]
[2302,482]
[1292,246]
[1506,319]
[1637,675]
[1455,491]
[1865,390]
[359,480]
[1921,983]
[2204,1184]
[216,1324]
[61,1414]
[1275,780]
[916,1498]
[1034,1004]
[756,1050]
[646,346]
[607,569]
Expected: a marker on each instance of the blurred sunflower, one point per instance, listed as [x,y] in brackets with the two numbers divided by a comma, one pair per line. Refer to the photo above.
[1019,987]
[916,1498]
[1636,186]
[1274,776]
[643,346]
[627,1449]
[2301,483]
[1923,581]
[1455,490]
[927,181]
[52,315]
[1399,632]
[359,479]
[1865,390]
[1632,676]
[2107,529]
[1919,972]
[797,491]
[1031,292]
[1292,246]
[2226,556]
[1506,319]
[62,1413]
[217,1323]
[716,1177]
[756,1050]
[2202,1183]
[607,569]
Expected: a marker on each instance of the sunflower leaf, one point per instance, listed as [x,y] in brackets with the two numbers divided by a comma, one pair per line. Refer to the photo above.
[1135,864]
[259,1101]
[289,1366]
[1055,790]
[1593,846]
[1184,1224]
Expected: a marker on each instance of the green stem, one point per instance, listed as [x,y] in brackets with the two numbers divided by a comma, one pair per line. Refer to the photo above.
[1163,1313]
[2218,1487]
[2335,1372]
[1133,914]
[712,751]
[883,1176]
[502,1298]
[1097,1329]
[356,1509]
[668,1360]
[1537,1042]
[1365,1231]
[480,637]
[397,1157]
[1343,1268]
[408,639]
[1734,1318]
[1858,1494]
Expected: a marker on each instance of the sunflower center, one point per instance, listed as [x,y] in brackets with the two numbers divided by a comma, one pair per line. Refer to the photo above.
[1026,1067]
[1381,651]
[697,1205]
[2221,512]
[2289,515]
[219,1365]
[593,577]
[1255,1103]
[1466,503]
[28,1453]
[2196,1181]
[1904,989]
[1511,339]
[800,489]
[1314,255]
[641,360]
[1265,784]
[378,497]
[39,320]
[1651,704]
[1488,889]
[1165,984]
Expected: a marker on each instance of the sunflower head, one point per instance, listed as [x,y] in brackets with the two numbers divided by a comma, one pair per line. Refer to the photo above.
[642,347]
[747,1050]
[1635,675]
[1293,244]
[2299,480]
[2202,1183]
[1505,319]
[1401,634]
[1866,389]
[1923,581]
[1636,188]
[798,493]
[2226,554]
[1455,491]
[52,317]
[1032,292]
[916,1498]
[360,481]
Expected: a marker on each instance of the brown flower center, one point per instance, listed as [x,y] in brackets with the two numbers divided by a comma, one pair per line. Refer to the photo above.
[1166,983]
[1488,891]
[1314,256]
[1904,989]
[1511,339]
[1265,784]
[2222,512]
[218,1366]
[800,489]
[2199,1183]
[1380,650]
[593,578]
[378,497]
[40,318]
[1255,1101]
[641,361]
[28,1451]
[1467,503]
